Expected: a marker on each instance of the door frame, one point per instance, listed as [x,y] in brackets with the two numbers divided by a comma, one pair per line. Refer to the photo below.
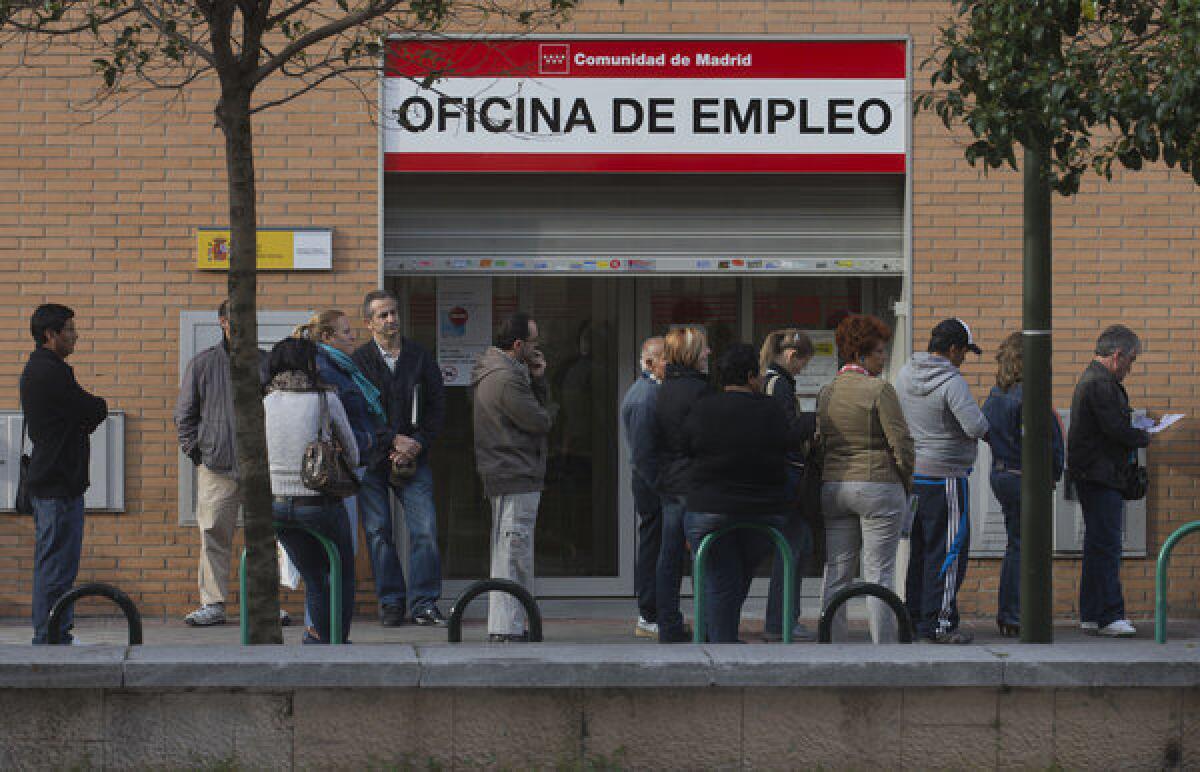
[621,584]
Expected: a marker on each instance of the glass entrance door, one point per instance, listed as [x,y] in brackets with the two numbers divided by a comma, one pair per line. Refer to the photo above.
[586,335]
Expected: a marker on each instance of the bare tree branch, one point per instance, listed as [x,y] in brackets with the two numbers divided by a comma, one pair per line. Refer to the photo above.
[350,21]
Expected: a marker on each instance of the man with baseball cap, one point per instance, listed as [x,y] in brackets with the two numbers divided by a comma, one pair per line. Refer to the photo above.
[946,424]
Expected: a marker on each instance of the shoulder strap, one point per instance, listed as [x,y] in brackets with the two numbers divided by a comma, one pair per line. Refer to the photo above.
[324,430]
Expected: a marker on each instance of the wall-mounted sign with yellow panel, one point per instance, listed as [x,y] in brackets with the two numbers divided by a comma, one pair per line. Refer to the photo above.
[279,249]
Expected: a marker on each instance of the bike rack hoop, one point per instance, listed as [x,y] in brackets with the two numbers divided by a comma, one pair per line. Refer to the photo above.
[532,613]
[133,617]
[904,629]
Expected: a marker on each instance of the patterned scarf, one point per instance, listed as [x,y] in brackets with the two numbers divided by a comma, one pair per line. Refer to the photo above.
[290,380]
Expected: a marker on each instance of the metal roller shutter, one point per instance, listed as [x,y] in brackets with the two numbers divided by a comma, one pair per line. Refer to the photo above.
[818,223]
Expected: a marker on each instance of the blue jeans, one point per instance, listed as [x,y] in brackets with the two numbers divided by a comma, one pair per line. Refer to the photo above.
[729,568]
[799,537]
[648,506]
[309,557]
[1007,487]
[59,524]
[420,518]
[671,556]
[1100,598]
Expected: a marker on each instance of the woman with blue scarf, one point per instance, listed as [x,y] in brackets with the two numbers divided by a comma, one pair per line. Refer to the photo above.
[334,336]
[335,340]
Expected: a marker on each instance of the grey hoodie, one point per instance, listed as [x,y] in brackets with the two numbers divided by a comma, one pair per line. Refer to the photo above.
[943,417]
[511,423]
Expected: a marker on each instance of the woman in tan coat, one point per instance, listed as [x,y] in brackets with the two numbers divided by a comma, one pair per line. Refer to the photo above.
[867,470]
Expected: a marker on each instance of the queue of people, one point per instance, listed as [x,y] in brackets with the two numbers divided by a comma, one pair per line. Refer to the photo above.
[889,463]
[886,462]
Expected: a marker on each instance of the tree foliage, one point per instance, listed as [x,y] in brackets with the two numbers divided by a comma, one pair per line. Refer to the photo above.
[1090,83]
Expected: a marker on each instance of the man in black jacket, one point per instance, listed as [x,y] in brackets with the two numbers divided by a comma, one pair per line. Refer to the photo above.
[1100,443]
[410,384]
[59,416]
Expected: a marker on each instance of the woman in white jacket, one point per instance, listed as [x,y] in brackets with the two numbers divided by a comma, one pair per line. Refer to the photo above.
[293,418]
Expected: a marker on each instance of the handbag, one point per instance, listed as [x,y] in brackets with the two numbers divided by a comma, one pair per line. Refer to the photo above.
[23,502]
[324,468]
[1137,480]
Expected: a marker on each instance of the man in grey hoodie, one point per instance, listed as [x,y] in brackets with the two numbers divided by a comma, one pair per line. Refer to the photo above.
[511,421]
[946,425]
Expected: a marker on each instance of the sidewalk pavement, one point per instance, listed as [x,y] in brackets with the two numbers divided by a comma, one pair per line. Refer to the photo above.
[566,630]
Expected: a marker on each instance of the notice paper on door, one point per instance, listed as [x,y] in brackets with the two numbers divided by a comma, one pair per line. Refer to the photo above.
[1147,424]
[464,326]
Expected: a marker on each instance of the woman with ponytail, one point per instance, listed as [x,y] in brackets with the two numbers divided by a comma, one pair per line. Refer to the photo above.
[335,339]
[784,354]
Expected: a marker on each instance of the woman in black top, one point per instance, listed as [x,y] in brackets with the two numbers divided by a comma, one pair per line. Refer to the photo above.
[686,351]
[784,355]
[738,441]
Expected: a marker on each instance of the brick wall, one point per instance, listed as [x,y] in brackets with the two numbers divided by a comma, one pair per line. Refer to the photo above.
[99,209]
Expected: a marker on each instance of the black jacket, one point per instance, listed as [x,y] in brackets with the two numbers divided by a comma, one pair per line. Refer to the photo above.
[415,366]
[780,385]
[739,444]
[59,416]
[676,397]
[1101,436]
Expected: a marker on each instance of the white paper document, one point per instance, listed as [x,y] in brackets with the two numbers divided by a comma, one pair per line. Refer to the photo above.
[1142,422]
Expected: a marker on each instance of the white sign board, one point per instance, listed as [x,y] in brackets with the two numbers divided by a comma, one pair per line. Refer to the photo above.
[464,326]
[822,368]
[633,105]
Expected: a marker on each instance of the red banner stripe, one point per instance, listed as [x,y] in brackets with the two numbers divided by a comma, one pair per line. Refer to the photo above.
[658,58]
[877,163]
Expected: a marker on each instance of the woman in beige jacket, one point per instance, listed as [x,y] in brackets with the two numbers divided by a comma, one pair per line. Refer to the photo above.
[867,467]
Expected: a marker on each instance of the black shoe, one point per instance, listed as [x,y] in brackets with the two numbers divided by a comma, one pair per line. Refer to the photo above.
[678,635]
[391,616]
[430,616]
[952,637]
[508,637]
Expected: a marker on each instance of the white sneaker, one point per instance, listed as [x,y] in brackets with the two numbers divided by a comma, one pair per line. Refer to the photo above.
[1119,629]
[645,629]
[1089,628]
[75,641]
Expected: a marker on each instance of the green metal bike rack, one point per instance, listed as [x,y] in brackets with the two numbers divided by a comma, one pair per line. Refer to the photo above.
[1160,579]
[335,585]
[789,574]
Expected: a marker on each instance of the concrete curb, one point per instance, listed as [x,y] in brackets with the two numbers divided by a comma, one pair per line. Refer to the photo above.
[556,666]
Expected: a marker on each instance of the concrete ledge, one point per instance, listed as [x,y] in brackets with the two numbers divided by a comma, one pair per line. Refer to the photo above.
[542,666]
[66,667]
[298,667]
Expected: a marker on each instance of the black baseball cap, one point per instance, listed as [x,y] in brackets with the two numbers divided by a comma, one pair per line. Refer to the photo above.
[952,332]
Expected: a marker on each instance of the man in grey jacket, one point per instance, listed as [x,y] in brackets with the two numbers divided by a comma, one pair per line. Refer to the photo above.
[946,424]
[511,422]
[204,420]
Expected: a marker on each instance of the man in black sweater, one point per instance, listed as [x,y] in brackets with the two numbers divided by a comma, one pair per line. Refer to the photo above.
[410,386]
[59,416]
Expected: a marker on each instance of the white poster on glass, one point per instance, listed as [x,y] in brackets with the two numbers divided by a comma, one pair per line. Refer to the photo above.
[464,326]
[822,367]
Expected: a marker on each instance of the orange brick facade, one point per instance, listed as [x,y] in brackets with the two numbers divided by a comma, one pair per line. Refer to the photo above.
[100,207]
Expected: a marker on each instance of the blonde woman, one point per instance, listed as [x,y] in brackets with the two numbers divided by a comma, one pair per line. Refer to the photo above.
[684,382]
[784,355]
[1003,412]
[335,338]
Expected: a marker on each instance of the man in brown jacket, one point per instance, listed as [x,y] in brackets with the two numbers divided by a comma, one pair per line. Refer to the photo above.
[511,424]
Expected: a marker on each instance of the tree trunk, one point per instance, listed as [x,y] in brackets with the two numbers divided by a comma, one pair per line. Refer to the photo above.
[262,568]
[1037,484]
